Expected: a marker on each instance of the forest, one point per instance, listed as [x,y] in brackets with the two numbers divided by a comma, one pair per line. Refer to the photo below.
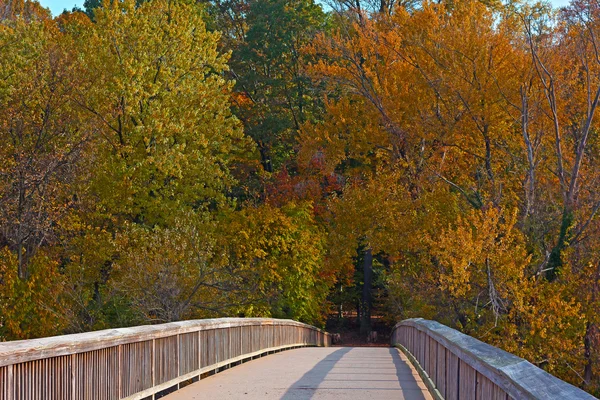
[164,160]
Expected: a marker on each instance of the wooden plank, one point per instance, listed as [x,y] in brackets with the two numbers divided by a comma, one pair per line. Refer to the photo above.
[420,347]
[255,338]
[96,374]
[210,347]
[119,373]
[137,361]
[440,376]
[165,359]
[229,344]
[452,376]
[432,362]
[51,376]
[238,341]
[199,352]
[487,389]
[4,383]
[426,359]
[177,356]
[243,339]
[10,387]
[74,379]
[224,344]
[467,382]
[423,345]
[188,353]
[153,363]
[203,349]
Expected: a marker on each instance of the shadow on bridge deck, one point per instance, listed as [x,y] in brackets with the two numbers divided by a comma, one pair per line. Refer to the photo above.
[315,376]
[371,373]
[356,372]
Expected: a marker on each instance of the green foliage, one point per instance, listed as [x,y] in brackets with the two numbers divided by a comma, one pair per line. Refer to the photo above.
[279,253]
[162,112]
[274,94]
[31,308]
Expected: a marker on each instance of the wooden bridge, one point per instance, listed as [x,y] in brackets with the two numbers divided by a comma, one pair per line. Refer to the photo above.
[428,360]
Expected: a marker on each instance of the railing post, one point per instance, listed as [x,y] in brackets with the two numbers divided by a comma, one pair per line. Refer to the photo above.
[10,388]
[178,351]
[119,371]
[153,362]
[229,332]
[199,339]
[73,363]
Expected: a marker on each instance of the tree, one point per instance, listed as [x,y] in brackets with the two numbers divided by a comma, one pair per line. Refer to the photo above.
[165,140]
[278,255]
[42,135]
[26,10]
[273,94]
[167,130]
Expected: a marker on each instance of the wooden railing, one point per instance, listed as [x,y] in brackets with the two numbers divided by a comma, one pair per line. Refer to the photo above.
[457,366]
[137,363]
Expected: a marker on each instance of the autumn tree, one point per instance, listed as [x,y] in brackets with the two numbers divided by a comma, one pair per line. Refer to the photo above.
[572,93]
[26,10]
[43,138]
[475,138]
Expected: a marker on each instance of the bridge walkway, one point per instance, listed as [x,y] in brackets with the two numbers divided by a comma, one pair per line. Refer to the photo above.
[317,373]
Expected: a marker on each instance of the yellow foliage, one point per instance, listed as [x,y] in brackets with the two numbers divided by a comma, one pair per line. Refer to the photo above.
[32,308]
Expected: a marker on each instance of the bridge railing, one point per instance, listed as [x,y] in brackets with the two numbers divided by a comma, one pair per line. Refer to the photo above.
[459,366]
[136,363]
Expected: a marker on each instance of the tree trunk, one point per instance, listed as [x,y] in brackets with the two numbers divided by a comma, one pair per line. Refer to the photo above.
[264,157]
[340,306]
[365,320]
[555,261]
[22,272]
[587,342]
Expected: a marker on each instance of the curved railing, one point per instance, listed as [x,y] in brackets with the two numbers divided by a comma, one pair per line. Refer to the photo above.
[135,363]
[458,366]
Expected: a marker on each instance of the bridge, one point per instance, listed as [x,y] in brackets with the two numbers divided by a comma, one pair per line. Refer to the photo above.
[280,359]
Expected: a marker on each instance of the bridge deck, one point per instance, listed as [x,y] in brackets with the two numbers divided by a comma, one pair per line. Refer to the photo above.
[370,373]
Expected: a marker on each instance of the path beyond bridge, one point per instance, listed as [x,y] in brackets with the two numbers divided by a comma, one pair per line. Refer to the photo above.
[371,373]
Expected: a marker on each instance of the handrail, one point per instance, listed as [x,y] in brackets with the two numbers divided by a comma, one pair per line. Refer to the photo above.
[135,363]
[462,367]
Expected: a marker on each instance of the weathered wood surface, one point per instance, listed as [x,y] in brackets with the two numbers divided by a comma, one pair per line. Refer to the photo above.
[132,363]
[471,369]
[336,373]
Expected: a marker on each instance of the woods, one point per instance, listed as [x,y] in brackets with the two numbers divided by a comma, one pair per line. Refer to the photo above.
[170,159]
